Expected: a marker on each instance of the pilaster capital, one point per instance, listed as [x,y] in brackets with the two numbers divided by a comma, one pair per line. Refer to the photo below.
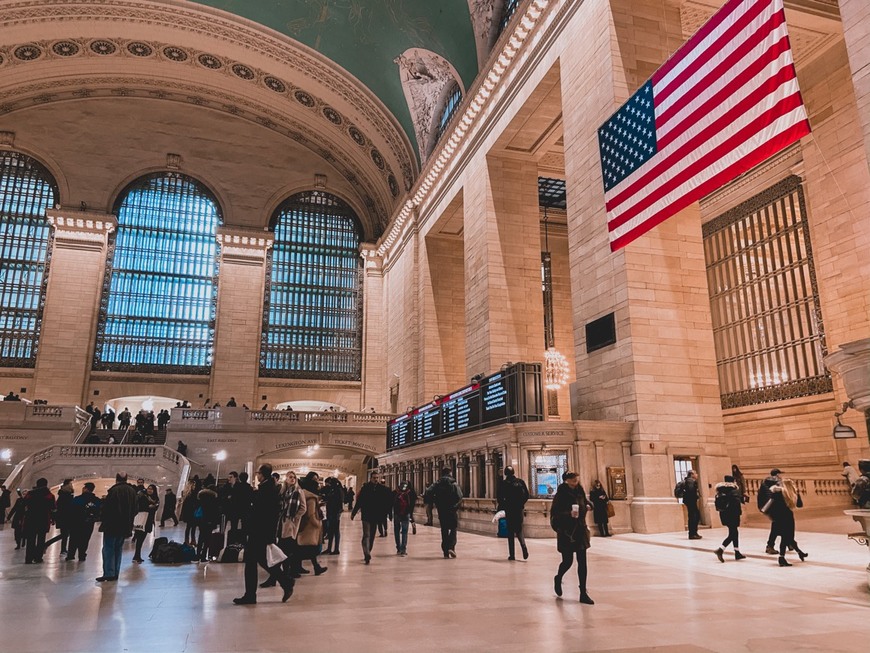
[244,246]
[81,229]
[372,261]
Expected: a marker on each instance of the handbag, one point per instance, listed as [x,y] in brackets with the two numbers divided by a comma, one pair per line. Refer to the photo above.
[139,521]
[274,555]
[611,511]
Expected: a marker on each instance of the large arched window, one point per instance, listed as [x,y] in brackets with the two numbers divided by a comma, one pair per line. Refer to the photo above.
[312,313]
[510,8]
[27,190]
[158,307]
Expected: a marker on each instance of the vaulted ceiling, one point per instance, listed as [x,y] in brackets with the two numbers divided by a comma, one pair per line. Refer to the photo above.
[365,36]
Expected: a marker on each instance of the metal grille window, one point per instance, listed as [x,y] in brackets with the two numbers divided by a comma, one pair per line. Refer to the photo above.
[450,107]
[312,313]
[158,308]
[27,190]
[767,326]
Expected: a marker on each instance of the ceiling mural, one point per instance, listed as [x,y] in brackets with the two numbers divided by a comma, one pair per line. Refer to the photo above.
[366,36]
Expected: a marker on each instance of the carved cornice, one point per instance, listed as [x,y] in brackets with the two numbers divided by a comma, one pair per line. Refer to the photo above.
[245,248]
[231,29]
[80,229]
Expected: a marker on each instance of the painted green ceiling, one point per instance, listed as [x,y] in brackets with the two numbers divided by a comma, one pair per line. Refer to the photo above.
[364,36]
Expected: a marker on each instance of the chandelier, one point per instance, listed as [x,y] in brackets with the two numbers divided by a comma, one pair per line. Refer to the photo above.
[556,369]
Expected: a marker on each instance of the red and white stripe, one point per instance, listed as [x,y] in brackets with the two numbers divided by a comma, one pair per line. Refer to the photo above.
[727,100]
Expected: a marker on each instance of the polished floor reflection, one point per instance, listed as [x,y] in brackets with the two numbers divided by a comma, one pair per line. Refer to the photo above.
[651,592]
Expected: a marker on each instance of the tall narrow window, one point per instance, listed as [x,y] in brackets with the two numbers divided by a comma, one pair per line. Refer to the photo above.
[767,325]
[27,190]
[312,313]
[510,8]
[158,307]
[454,98]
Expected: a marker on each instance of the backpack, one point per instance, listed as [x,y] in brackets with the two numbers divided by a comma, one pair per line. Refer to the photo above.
[680,490]
[723,501]
[233,553]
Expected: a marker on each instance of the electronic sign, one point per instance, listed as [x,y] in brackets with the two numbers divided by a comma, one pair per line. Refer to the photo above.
[515,394]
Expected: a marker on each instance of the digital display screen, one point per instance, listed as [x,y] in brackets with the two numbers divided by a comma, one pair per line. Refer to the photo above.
[493,400]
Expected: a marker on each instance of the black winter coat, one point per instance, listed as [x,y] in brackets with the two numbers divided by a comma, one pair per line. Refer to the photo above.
[571,532]
[730,516]
[374,501]
[262,522]
[599,500]
[119,508]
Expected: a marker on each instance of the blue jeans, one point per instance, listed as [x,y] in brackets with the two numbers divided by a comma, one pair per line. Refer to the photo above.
[112,545]
[400,530]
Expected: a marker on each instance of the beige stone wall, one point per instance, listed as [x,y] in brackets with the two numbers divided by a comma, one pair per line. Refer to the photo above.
[400,322]
[443,307]
[563,317]
[239,323]
[504,314]
[856,27]
[70,316]
[375,392]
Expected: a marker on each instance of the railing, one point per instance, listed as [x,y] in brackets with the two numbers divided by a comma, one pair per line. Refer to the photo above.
[212,414]
[809,487]
[50,412]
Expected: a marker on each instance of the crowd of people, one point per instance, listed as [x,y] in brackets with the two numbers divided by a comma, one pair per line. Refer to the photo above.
[285,521]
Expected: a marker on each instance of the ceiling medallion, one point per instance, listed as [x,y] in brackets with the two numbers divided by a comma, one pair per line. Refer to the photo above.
[103,47]
[243,71]
[275,84]
[394,185]
[27,52]
[304,99]
[174,54]
[332,115]
[377,158]
[209,61]
[65,49]
[357,136]
[139,49]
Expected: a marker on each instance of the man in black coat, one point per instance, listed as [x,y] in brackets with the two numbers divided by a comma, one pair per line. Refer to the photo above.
[119,509]
[375,501]
[170,502]
[262,527]
[39,505]
[84,513]
[690,500]
[447,498]
[512,497]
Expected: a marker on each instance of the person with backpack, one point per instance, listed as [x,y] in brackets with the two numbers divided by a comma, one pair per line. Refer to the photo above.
[84,513]
[447,498]
[512,496]
[728,504]
[404,500]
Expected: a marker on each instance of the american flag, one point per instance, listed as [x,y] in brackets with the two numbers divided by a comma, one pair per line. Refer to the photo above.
[724,102]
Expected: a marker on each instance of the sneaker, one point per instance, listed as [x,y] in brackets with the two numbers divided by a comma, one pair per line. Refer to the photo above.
[451,553]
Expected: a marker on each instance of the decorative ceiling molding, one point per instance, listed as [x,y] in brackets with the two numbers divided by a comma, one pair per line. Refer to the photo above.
[483,21]
[295,59]
[426,76]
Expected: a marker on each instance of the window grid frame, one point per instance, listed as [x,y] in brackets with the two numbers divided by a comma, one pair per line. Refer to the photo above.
[342,211]
[762,357]
[204,193]
[449,110]
[27,339]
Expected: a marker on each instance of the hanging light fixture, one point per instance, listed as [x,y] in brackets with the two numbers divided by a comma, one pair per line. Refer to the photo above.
[556,369]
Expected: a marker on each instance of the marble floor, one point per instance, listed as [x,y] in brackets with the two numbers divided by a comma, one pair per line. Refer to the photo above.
[652,592]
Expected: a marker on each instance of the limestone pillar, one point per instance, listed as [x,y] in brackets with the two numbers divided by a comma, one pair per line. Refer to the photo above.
[375,393]
[661,373]
[239,322]
[855,15]
[474,473]
[72,303]
[504,314]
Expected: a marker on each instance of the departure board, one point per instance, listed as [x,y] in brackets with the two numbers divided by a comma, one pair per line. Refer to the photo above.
[515,394]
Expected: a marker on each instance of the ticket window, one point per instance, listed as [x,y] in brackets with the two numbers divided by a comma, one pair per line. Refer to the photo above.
[546,469]
[682,465]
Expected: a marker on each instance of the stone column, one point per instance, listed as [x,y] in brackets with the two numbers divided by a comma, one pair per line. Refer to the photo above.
[375,393]
[661,373]
[72,305]
[239,323]
[474,473]
[489,486]
[504,314]
[855,15]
